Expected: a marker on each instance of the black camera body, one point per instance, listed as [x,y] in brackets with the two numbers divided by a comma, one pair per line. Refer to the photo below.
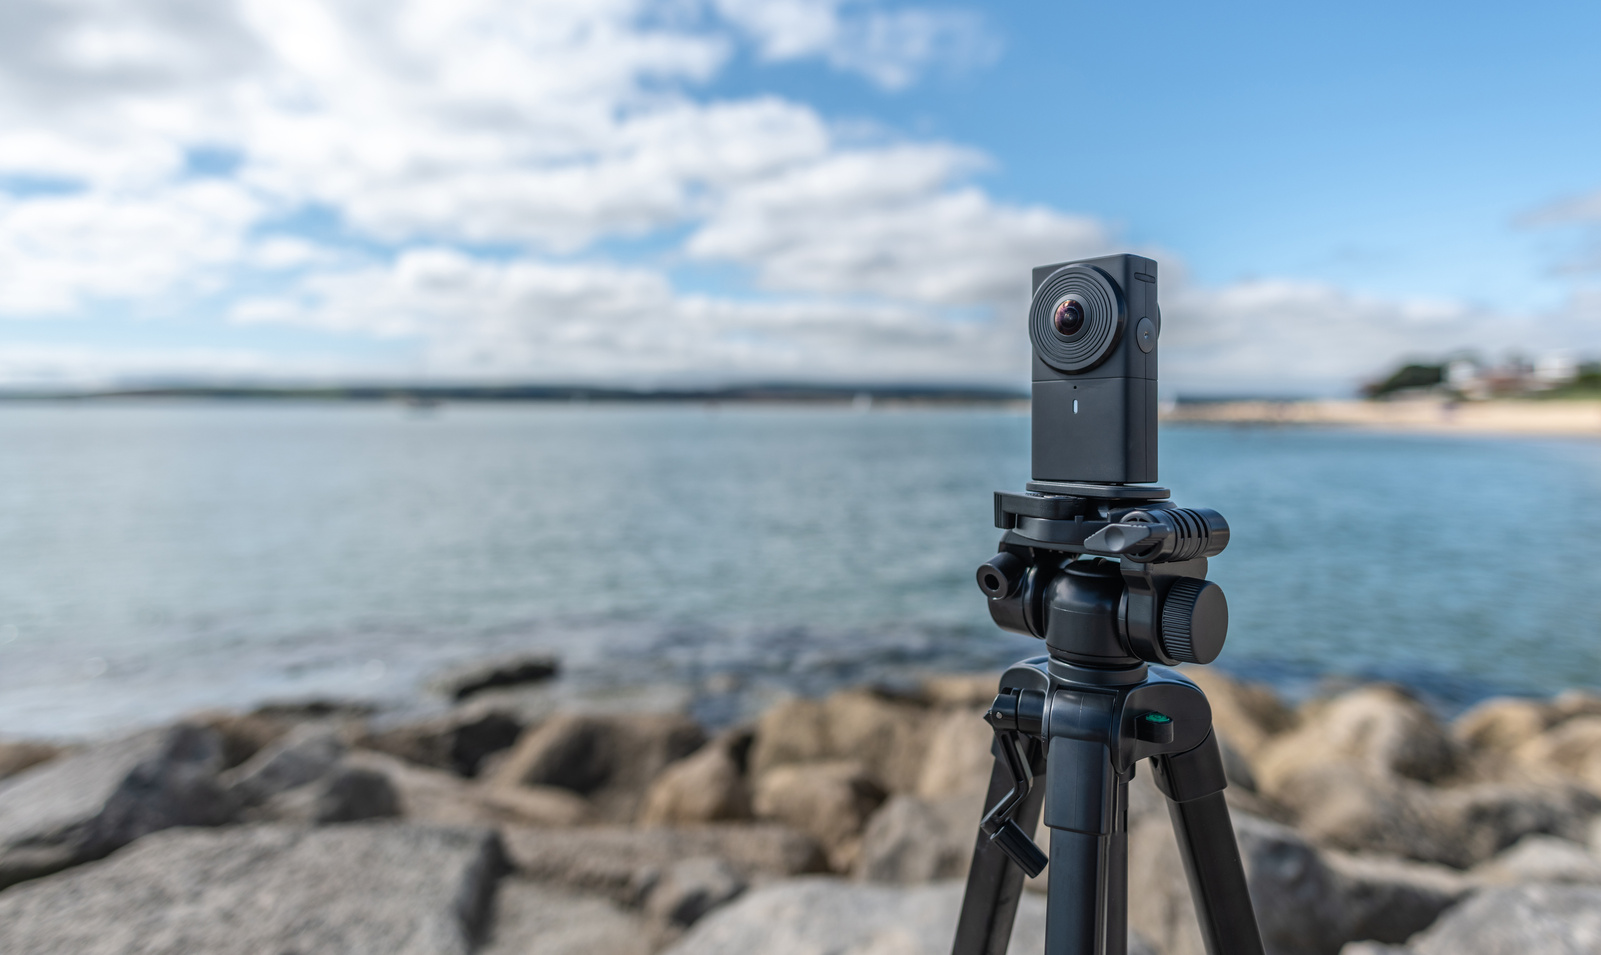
[1094,325]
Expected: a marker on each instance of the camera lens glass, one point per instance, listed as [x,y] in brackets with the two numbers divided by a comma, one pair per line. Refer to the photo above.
[1068,317]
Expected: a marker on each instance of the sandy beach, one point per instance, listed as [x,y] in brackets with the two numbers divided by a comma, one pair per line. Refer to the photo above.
[1487,417]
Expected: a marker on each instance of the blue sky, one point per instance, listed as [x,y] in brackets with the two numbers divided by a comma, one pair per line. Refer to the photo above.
[755,189]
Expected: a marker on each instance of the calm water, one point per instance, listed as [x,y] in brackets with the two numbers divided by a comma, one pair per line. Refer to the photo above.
[159,558]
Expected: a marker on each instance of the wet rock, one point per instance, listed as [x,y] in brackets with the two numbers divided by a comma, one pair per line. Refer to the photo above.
[460,740]
[460,683]
[18,756]
[345,794]
[436,796]
[689,889]
[910,839]
[959,758]
[887,736]
[1306,903]
[1542,859]
[610,760]
[830,801]
[1548,919]
[707,786]
[83,806]
[1376,730]
[1245,715]
[616,860]
[379,889]
[808,916]
[534,918]
[302,755]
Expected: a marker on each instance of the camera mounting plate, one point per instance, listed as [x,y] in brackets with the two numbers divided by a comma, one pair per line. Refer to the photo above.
[1102,492]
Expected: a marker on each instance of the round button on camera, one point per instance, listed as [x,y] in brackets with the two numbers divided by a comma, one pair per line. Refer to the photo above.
[1145,335]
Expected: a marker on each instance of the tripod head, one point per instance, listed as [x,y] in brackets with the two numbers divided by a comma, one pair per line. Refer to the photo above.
[1055,576]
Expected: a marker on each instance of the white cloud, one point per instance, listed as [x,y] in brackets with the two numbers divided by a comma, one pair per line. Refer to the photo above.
[580,322]
[474,166]
[58,253]
[892,47]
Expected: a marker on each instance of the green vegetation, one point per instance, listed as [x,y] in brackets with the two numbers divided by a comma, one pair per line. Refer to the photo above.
[1407,376]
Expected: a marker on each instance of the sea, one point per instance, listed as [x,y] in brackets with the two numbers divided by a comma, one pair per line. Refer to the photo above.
[162,557]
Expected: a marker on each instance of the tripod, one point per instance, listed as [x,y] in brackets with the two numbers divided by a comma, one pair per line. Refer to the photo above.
[1086,712]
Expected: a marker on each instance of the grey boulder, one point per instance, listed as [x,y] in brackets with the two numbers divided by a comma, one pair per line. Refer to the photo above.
[533,918]
[815,916]
[616,860]
[1543,918]
[350,890]
[86,805]
[305,754]
[1307,902]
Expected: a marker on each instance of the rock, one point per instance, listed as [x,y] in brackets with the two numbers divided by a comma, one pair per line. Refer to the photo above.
[346,794]
[538,919]
[304,754]
[1390,899]
[707,786]
[243,734]
[616,860]
[436,796]
[910,839]
[816,915]
[1294,892]
[830,801]
[460,683]
[460,740]
[689,889]
[1520,920]
[83,806]
[959,758]
[887,736]
[1245,715]
[379,889]
[1373,948]
[1306,903]
[1377,730]
[965,690]
[1457,826]
[1572,747]
[1501,724]
[608,759]
[334,712]
[1571,703]
[1542,859]
[20,755]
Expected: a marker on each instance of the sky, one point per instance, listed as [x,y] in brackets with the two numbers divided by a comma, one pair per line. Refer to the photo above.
[694,192]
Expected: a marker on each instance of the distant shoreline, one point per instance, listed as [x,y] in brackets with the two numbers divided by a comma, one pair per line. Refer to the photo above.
[428,395]
[1509,417]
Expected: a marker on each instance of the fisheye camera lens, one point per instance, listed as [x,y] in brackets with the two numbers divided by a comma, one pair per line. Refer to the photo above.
[1068,317]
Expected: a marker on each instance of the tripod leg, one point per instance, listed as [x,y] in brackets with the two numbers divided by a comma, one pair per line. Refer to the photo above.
[994,882]
[1085,808]
[1193,783]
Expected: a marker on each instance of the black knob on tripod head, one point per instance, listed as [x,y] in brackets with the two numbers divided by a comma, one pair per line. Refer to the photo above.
[1195,619]
[1001,575]
[1162,533]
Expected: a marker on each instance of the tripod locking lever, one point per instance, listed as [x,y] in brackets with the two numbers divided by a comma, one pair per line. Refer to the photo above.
[1014,714]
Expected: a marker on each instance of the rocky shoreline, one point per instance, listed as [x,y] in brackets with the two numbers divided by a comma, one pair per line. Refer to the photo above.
[511,820]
